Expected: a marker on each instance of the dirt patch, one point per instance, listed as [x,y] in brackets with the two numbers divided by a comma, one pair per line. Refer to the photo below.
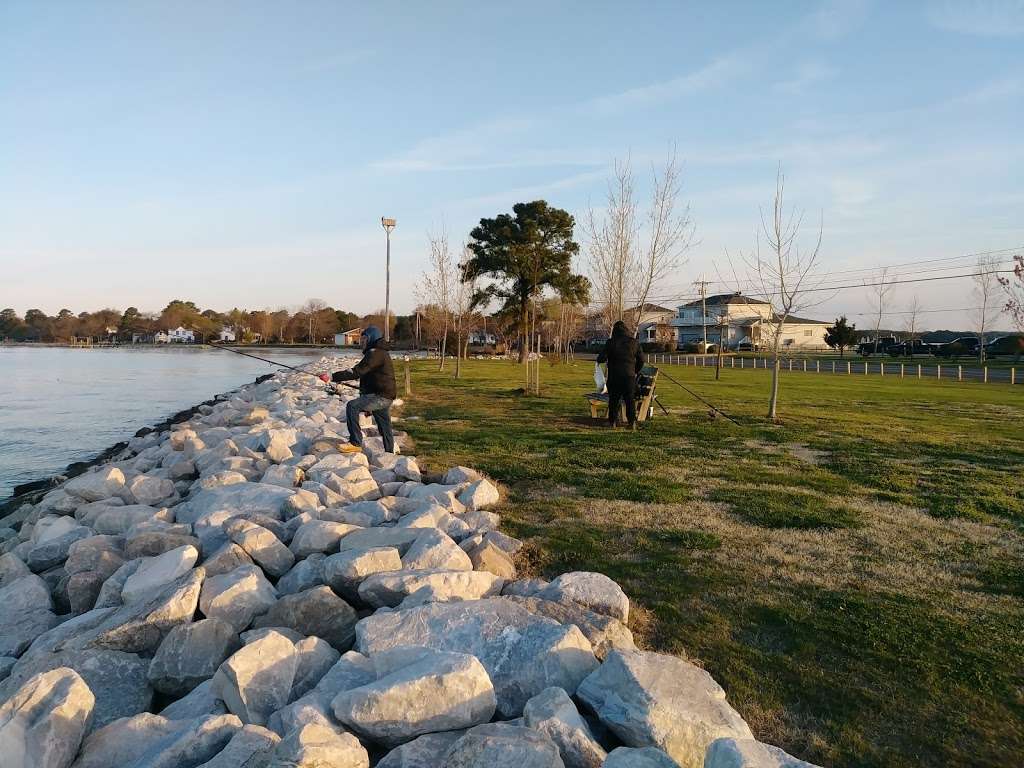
[803,453]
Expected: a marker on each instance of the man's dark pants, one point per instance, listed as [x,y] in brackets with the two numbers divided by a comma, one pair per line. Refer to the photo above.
[380,408]
[621,390]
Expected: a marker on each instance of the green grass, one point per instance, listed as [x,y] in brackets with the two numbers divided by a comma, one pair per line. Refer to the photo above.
[853,576]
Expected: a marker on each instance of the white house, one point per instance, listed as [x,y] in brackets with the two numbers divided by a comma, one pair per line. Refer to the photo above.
[226,334]
[742,321]
[161,337]
[181,335]
[479,338]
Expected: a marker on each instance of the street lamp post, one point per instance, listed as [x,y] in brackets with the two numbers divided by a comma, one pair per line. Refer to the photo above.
[388,224]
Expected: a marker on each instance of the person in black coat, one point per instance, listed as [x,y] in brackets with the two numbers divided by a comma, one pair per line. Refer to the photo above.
[625,360]
[377,388]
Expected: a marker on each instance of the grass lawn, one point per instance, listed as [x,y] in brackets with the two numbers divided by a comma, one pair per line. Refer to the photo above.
[854,577]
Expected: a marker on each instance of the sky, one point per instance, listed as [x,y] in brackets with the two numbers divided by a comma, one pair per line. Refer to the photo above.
[242,153]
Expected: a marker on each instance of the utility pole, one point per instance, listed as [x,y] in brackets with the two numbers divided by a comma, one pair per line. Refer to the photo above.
[703,285]
[388,224]
[723,324]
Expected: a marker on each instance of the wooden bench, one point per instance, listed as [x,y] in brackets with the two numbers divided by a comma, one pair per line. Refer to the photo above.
[645,397]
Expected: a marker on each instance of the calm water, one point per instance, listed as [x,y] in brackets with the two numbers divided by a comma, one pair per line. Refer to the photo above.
[63,405]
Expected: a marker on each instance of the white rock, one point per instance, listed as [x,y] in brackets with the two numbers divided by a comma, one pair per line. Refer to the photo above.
[749,753]
[195,742]
[593,591]
[42,725]
[122,741]
[432,515]
[552,712]
[646,757]
[97,485]
[426,751]
[500,745]
[156,572]
[283,475]
[319,536]
[480,495]
[250,747]
[435,549]
[261,545]
[460,475]
[237,596]
[649,699]
[151,490]
[319,746]
[316,658]
[190,654]
[345,571]
[438,691]
[435,585]
[317,611]
[255,681]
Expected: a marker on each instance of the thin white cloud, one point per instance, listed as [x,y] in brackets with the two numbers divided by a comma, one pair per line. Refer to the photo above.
[807,76]
[985,18]
[834,19]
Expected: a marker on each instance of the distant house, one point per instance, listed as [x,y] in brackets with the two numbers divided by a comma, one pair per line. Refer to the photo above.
[161,337]
[744,322]
[181,335]
[653,321]
[226,334]
[480,339]
[348,338]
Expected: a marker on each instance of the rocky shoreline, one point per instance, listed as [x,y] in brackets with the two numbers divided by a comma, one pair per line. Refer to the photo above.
[228,590]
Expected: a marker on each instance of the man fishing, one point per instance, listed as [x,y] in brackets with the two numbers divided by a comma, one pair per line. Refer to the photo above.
[376,390]
[625,361]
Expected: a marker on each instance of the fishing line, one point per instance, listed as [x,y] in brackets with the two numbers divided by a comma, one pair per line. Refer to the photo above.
[274,362]
[661,372]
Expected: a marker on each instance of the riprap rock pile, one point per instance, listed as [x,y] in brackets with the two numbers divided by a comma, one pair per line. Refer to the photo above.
[235,591]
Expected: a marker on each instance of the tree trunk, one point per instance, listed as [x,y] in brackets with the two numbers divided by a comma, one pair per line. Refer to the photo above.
[773,400]
[444,342]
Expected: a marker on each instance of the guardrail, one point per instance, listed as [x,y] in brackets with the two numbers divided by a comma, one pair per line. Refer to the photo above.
[939,372]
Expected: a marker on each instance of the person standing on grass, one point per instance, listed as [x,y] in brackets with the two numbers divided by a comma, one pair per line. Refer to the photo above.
[377,389]
[625,360]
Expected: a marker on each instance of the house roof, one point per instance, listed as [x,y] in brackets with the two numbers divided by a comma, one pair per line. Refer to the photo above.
[651,308]
[791,320]
[721,299]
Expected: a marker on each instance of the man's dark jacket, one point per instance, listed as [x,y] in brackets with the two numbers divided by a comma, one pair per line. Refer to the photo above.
[624,358]
[375,373]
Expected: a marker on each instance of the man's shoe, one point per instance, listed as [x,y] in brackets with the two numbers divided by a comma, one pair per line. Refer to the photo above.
[350,448]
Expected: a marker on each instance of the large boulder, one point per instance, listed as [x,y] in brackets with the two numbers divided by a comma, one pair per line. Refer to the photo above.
[345,571]
[240,497]
[227,557]
[261,545]
[639,757]
[435,549]
[319,746]
[117,521]
[426,751]
[197,741]
[420,691]
[255,681]
[352,670]
[392,588]
[43,723]
[480,495]
[51,552]
[199,702]
[552,712]
[604,633]
[316,658]
[654,700]
[122,741]
[116,680]
[97,485]
[523,653]
[25,613]
[593,591]
[250,747]
[500,745]
[156,572]
[146,489]
[190,654]
[319,536]
[304,575]
[141,626]
[237,596]
[316,611]
[749,753]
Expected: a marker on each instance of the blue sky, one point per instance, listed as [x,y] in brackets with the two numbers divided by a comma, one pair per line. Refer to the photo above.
[242,153]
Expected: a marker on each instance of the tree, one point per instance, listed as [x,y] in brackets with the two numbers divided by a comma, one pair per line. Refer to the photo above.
[462,308]
[523,254]
[879,294]
[9,320]
[783,274]
[624,266]
[438,285]
[912,323]
[986,286]
[841,335]
[1014,290]
[312,311]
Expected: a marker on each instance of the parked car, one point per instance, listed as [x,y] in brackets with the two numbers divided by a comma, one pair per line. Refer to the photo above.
[910,348]
[965,346]
[1006,346]
[877,346]
[746,346]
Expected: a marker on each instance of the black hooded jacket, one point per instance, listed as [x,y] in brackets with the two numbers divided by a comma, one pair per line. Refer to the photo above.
[624,358]
[375,372]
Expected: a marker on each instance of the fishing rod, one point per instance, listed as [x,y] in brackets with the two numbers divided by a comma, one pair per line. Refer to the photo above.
[661,371]
[274,362]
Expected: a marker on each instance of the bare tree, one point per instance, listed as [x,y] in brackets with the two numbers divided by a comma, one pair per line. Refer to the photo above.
[784,274]
[985,296]
[438,284]
[878,292]
[312,307]
[462,305]
[612,240]
[670,236]
[912,323]
[1014,288]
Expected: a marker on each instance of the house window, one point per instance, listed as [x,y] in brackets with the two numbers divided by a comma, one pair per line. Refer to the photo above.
[807,333]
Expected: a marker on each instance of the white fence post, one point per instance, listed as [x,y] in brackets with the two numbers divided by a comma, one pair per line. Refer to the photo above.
[881,369]
[1013,375]
[865,367]
[901,370]
[919,370]
[849,368]
[959,373]
[985,375]
[938,372]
